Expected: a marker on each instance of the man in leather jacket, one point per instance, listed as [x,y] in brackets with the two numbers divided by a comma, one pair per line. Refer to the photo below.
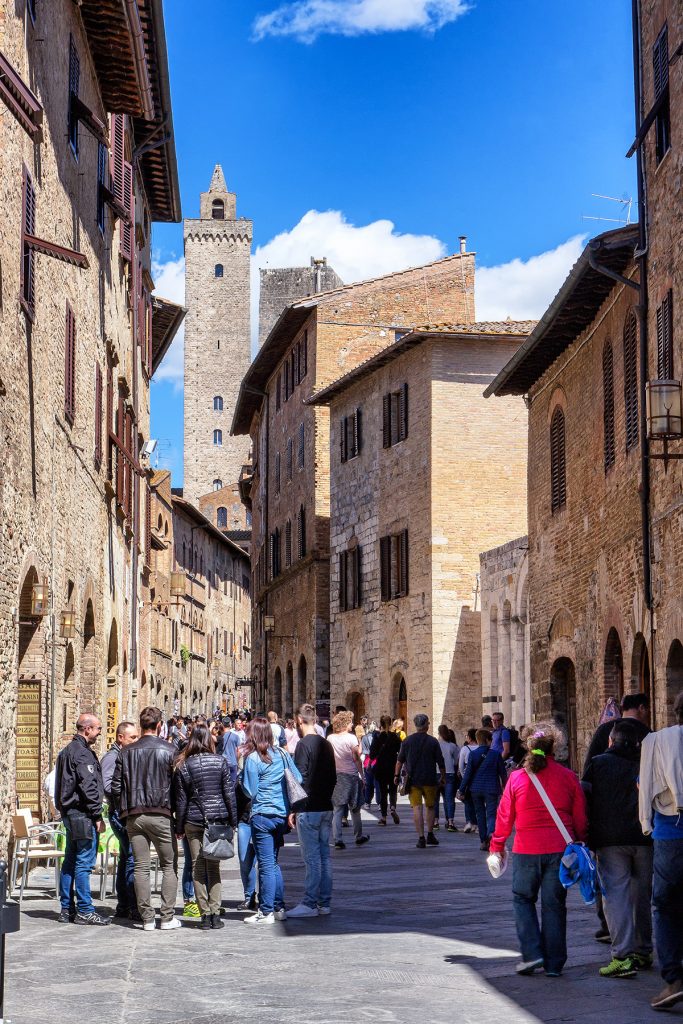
[141,790]
[78,798]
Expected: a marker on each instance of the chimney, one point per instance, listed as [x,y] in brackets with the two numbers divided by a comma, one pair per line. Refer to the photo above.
[463,244]
[318,265]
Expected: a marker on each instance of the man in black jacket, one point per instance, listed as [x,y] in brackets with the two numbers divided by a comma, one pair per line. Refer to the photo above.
[78,798]
[624,853]
[141,790]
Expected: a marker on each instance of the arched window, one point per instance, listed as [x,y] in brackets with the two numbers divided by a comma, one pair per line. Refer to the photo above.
[218,270]
[218,209]
[217,403]
[558,462]
[608,404]
[631,380]
[222,517]
[217,484]
[218,437]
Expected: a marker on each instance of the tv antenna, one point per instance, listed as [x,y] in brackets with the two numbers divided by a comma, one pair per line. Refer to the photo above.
[626,203]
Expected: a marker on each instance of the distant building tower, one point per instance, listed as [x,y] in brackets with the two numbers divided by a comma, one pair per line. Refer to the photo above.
[289,284]
[217,339]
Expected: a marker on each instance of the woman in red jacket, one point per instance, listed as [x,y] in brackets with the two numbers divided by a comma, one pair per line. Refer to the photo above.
[538,848]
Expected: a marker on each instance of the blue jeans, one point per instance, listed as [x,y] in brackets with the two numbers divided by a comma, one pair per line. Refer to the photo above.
[371,786]
[268,835]
[470,812]
[485,807]
[125,868]
[313,828]
[533,873]
[448,799]
[667,906]
[247,858]
[188,884]
[79,860]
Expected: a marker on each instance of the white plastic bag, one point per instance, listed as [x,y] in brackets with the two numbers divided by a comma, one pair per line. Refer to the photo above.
[497,863]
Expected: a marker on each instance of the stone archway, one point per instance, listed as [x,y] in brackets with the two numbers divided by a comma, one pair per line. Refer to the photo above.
[674,678]
[112,697]
[640,669]
[31,674]
[301,682]
[288,702]
[88,659]
[355,702]
[70,708]
[276,702]
[613,678]
[563,705]
[400,701]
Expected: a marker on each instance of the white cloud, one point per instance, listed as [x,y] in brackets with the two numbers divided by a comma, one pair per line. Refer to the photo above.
[523,289]
[307,19]
[169,280]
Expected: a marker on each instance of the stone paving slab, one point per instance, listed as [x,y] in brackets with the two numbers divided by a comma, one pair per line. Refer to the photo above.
[415,936]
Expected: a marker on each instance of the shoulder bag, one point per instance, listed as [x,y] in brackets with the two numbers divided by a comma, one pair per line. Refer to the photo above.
[296,794]
[540,789]
[217,841]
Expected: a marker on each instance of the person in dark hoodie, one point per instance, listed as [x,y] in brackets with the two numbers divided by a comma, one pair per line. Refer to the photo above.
[624,854]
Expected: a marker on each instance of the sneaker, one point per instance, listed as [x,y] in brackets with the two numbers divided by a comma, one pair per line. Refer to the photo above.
[642,961]
[362,839]
[450,827]
[191,909]
[619,969]
[529,966]
[394,815]
[67,916]
[168,926]
[280,915]
[302,910]
[339,845]
[249,904]
[436,826]
[259,918]
[421,844]
[216,922]
[93,918]
[324,911]
[432,840]
[382,821]
[149,926]
[469,828]
[669,996]
[203,924]
[603,935]
[553,974]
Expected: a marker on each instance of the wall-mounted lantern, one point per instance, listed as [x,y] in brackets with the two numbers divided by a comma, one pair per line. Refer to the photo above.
[177,584]
[40,597]
[67,624]
[664,411]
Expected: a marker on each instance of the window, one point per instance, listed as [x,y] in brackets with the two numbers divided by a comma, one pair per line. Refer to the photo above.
[277,472]
[249,519]
[27,271]
[287,391]
[217,404]
[300,447]
[218,270]
[395,417]
[101,184]
[31,8]
[70,366]
[218,209]
[218,437]
[275,554]
[290,450]
[665,340]
[349,579]
[98,416]
[288,543]
[609,441]
[217,484]
[302,532]
[350,436]
[302,345]
[278,393]
[74,84]
[222,517]
[631,380]
[660,65]
[558,465]
[294,364]
[393,552]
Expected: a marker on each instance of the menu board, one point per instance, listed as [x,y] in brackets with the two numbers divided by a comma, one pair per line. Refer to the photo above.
[112,720]
[28,745]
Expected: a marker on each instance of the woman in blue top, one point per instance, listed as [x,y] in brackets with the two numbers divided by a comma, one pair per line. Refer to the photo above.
[484,780]
[263,780]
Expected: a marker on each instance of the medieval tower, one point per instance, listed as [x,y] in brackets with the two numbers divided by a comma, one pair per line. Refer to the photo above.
[217,339]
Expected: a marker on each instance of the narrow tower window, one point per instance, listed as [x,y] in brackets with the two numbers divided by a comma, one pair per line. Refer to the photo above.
[217,484]
[218,437]
[217,403]
[218,270]
[218,209]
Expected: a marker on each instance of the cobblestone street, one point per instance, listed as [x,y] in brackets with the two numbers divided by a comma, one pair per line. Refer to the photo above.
[414,936]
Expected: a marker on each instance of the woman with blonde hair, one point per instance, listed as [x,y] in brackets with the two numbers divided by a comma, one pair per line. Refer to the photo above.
[539,846]
[348,791]
[397,726]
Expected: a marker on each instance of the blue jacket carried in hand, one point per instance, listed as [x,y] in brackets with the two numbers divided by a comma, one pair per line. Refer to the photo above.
[577,865]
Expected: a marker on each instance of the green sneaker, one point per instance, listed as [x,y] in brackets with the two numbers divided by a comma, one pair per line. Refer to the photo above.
[642,961]
[619,969]
[191,909]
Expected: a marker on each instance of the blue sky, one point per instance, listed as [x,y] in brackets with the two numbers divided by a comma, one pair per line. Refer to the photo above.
[497,121]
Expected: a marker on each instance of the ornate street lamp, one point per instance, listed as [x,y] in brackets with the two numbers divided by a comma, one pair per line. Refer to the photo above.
[664,411]
[40,597]
[67,624]
[177,584]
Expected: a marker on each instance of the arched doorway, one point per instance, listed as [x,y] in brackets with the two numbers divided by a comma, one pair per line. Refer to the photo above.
[401,700]
[112,708]
[640,669]
[674,678]
[276,703]
[31,672]
[563,704]
[613,685]
[356,702]
[301,682]
[70,708]
[88,659]
[288,702]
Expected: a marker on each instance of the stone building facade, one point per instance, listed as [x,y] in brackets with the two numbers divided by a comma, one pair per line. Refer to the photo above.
[419,483]
[200,638]
[314,342]
[217,339]
[281,286]
[505,631]
[80,337]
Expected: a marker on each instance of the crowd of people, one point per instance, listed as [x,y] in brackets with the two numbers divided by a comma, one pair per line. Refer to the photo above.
[200,782]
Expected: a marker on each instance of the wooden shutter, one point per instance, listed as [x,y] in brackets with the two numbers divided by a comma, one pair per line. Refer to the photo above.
[118,158]
[386,421]
[98,415]
[303,359]
[558,475]
[101,183]
[127,228]
[357,433]
[300,454]
[302,532]
[292,361]
[108,420]
[286,380]
[148,525]
[288,543]
[357,577]
[385,567]
[277,472]
[290,458]
[402,563]
[27,293]
[70,365]
[343,593]
[403,413]
[660,62]
[665,339]
[278,396]
[631,380]
[342,439]
[609,441]
[74,86]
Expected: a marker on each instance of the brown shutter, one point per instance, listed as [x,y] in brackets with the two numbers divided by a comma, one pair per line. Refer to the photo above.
[108,420]
[148,526]
[74,86]
[302,532]
[558,476]
[358,577]
[300,454]
[631,380]
[286,380]
[386,421]
[292,362]
[27,266]
[385,567]
[288,543]
[665,339]
[403,413]
[660,62]
[70,365]
[278,390]
[98,416]
[118,157]
[303,362]
[403,563]
[609,441]
[356,433]
[127,229]
[343,596]
[342,439]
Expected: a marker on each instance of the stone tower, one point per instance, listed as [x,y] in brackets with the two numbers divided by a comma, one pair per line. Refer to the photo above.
[217,338]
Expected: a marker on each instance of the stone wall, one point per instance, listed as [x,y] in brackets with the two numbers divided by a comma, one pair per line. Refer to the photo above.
[279,287]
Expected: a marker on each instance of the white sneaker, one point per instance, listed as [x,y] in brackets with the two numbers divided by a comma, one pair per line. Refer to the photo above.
[167,926]
[149,926]
[281,914]
[259,918]
[302,910]
[470,828]
[324,911]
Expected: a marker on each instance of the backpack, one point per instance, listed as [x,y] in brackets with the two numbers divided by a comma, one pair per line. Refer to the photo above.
[611,712]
